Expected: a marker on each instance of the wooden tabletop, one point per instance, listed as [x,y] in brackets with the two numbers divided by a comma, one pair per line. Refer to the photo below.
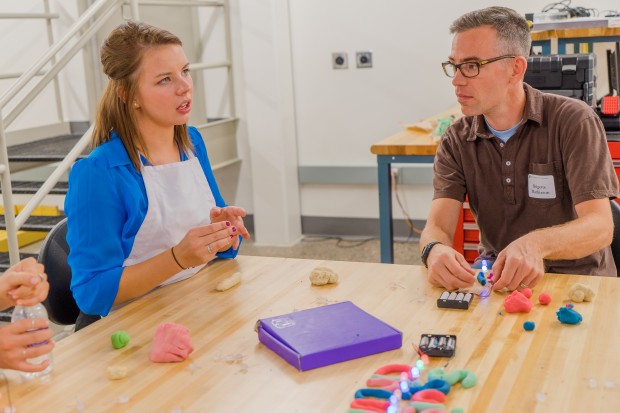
[572,33]
[410,141]
[555,368]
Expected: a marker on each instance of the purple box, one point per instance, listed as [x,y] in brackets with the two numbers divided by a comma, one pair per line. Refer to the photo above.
[326,335]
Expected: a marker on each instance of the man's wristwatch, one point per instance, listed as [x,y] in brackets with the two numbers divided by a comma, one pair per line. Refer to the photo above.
[427,250]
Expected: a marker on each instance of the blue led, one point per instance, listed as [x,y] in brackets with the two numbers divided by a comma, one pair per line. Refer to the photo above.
[404,386]
[415,373]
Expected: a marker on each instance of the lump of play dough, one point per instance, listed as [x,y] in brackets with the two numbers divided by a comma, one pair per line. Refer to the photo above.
[580,292]
[119,339]
[429,396]
[544,298]
[527,292]
[322,276]
[568,316]
[229,282]
[117,372]
[171,343]
[516,302]
[529,325]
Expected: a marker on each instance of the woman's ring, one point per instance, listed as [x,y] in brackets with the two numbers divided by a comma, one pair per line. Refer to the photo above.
[42,277]
[523,285]
[209,249]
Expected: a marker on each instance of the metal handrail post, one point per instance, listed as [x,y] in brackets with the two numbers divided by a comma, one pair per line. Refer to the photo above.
[7,198]
[50,43]
[54,177]
[229,53]
[135,10]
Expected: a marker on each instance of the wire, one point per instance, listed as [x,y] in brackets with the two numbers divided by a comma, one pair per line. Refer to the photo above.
[339,241]
[610,13]
[577,11]
[403,210]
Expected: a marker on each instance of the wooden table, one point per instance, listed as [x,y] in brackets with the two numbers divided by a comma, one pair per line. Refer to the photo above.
[555,368]
[406,146]
[574,36]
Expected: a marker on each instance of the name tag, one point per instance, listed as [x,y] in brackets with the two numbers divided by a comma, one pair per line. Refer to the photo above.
[541,186]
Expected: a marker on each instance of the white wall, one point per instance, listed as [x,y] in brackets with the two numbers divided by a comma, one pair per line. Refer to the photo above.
[341,113]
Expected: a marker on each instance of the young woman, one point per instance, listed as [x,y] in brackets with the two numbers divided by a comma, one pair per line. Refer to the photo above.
[144,208]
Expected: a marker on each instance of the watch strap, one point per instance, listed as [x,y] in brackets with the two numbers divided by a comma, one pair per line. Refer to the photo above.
[427,250]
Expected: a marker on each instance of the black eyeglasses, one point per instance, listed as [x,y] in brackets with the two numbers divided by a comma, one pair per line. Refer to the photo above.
[472,68]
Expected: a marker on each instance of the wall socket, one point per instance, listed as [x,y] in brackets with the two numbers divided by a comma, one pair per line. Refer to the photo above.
[340,60]
[364,59]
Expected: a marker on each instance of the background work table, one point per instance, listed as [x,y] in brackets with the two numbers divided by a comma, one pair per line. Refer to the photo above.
[555,368]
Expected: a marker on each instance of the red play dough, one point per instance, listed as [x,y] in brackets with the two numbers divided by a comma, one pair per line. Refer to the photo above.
[171,343]
[527,292]
[517,303]
[429,396]
[544,298]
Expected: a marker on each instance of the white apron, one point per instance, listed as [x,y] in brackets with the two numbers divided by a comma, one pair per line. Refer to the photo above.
[179,198]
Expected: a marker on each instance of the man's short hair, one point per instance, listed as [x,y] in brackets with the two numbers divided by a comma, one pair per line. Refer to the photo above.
[512,29]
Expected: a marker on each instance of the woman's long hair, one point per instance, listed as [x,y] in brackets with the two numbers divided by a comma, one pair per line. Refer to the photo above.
[121,56]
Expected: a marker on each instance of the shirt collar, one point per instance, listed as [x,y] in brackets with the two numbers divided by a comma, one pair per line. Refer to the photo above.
[533,111]
[115,151]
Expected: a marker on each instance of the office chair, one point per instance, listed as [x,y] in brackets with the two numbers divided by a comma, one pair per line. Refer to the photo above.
[615,243]
[60,304]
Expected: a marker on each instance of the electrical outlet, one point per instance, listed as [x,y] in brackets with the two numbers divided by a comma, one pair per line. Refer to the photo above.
[364,59]
[340,60]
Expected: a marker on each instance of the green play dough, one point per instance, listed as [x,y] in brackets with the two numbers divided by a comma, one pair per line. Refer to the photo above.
[421,406]
[120,339]
[470,379]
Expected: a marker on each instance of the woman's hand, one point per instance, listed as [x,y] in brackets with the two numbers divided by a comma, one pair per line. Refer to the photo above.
[25,339]
[25,283]
[200,244]
[235,216]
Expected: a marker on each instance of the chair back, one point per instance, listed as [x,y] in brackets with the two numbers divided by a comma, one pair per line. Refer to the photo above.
[615,243]
[60,304]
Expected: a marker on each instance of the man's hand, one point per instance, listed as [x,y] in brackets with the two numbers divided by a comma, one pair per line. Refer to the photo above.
[449,269]
[519,265]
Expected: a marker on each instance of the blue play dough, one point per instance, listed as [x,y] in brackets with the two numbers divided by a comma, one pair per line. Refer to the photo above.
[568,316]
[529,325]
[437,384]
[481,278]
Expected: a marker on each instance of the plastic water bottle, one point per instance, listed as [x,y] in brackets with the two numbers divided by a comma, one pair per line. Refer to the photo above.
[34,311]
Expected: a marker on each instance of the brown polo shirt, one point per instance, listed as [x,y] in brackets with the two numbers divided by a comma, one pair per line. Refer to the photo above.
[557,158]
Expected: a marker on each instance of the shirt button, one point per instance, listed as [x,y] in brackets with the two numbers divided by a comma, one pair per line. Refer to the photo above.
[507,163]
[501,145]
[508,180]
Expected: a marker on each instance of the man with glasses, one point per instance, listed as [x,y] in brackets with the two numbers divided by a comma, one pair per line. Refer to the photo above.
[535,167]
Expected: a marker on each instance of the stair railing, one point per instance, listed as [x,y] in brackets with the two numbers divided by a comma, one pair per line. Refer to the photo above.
[90,21]
[86,27]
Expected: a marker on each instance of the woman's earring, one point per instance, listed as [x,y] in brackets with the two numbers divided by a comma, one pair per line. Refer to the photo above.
[135,105]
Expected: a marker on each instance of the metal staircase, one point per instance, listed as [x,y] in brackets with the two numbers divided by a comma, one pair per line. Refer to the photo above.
[64,150]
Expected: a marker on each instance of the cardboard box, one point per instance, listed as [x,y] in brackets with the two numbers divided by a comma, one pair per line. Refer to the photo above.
[326,335]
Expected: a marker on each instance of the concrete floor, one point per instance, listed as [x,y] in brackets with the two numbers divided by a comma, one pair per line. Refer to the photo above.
[336,249]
